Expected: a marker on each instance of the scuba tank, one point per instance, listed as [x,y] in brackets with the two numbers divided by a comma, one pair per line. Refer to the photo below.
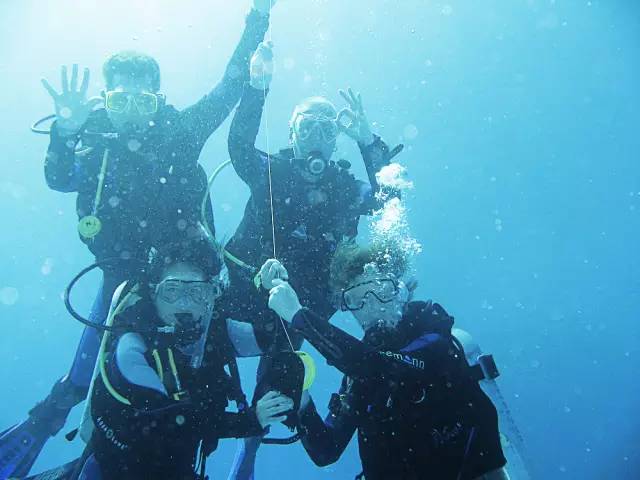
[513,444]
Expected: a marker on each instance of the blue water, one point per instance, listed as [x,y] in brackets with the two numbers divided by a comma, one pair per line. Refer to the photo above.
[520,120]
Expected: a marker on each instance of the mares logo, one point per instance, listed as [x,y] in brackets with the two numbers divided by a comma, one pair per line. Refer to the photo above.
[414,362]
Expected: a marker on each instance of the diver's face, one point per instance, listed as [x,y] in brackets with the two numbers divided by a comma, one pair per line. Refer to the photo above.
[314,133]
[183,297]
[376,299]
[132,104]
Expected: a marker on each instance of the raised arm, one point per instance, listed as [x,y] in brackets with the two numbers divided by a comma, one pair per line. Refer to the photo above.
[375,152]
[206,115]
[249,162]
[72,111]
[60,165]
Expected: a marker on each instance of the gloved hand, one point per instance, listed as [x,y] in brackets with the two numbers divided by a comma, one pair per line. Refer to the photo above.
[271,407]
[261,66]
[72,106]
[271,270]
[358,128]
[264,6]
[283,300]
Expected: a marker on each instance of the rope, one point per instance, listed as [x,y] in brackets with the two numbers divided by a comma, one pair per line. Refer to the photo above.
[266,129]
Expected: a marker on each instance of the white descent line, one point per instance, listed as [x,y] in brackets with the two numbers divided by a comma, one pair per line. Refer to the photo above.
[266,129]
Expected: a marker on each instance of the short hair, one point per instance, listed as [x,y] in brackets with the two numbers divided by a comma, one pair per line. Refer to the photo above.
[350,260]
[132,64]
[316,104]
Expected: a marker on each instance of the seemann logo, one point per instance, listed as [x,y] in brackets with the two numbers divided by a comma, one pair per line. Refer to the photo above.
[414,362]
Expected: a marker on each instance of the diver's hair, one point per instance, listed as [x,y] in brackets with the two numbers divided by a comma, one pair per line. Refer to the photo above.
[316,104]
[131,64]
[197,249]
[350,259]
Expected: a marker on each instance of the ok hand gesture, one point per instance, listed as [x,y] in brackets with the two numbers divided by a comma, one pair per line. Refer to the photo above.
[358,128]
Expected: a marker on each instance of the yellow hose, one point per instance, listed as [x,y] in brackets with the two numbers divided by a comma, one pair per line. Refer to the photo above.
[205,223]
[103,346]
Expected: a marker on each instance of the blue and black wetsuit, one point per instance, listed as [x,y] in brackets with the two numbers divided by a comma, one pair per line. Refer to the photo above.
[418,410]
[154,185]
[310,219]
[172,412]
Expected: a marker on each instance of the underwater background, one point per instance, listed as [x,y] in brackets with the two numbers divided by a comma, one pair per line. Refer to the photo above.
[520,120]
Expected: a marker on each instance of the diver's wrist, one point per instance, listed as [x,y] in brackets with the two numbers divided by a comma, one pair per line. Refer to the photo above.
[297,320]
[367,141]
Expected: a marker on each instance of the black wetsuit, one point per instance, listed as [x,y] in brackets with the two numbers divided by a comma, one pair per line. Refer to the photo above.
[419,412]
[153,186]
[306,233]
[158,435]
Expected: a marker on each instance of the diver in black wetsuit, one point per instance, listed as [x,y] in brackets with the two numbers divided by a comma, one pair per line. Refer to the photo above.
[134,167]
[316,200]
[175,384]
[316,203]
[161,395]
[408,390]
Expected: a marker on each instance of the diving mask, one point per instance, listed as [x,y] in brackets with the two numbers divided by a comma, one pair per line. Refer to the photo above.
[145,103]
[383,289]
[305,125]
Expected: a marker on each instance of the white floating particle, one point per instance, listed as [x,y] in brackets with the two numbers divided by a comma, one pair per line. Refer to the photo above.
[65,112]
[9,295]
[410,131]
[134,145]
[47,266]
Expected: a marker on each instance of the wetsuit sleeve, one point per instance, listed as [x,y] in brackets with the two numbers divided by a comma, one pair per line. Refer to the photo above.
[206,115]
[243,339]
[248,162]
[356,359]
[61,169]
[325,440]
[133,366]
[375,156]
[237,425]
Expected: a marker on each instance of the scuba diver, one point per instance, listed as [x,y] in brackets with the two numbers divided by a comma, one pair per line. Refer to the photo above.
[302,204]
[134,167]
[408,389]
[158,404]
